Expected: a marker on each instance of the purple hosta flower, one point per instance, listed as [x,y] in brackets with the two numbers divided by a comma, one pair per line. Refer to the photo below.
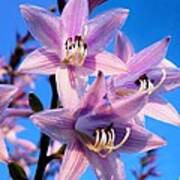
[9,128]
[147,70]
[24,158]
[95,131]
[6,94]
[22,148]
[22,81]
[73,44]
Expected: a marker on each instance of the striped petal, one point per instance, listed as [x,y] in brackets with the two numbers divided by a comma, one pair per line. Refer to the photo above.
[109,168]
[158,108]
[57,124]
[74,17]
[67,87]
[102,28]
[94,95]
[43,25]
[40,61]
[149,57]
[124,49]
[106,62]
[74,162]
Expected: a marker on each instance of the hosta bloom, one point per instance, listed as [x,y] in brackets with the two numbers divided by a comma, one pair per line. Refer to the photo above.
[22,81]
[72,43]
[95,131]
[147,70]
[7,92]
[8,130]
[24,158]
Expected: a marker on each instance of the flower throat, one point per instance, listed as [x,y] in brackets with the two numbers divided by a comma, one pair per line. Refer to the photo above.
[76,51]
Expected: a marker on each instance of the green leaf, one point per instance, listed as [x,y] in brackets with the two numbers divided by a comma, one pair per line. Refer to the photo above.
[17,172]
[35,103]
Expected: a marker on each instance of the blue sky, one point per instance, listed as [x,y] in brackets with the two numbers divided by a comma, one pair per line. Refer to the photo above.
[148,22]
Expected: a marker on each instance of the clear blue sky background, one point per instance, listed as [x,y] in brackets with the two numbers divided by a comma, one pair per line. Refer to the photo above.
[149,21]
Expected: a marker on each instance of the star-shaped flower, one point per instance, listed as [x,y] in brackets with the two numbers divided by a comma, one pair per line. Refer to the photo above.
[8,129]
[147,70]
[73,44]
[95,131]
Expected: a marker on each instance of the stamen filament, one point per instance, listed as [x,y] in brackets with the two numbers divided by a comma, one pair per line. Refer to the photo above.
[125,138]
[146,83]
[105,139]
[164,74]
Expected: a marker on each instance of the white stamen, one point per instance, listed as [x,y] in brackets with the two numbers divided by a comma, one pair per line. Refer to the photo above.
[103,139]
[163,78]
[143,85]
[125,138]
[97,139]
[146,84]
[106,141]
[150,84]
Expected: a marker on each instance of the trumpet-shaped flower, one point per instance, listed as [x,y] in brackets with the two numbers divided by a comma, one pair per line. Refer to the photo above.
[95,131]
[6,94]
[147,70]
[7,130]
[72,43]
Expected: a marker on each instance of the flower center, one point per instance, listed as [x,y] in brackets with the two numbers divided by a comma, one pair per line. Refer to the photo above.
[75,51]
[144,83]
[104,142]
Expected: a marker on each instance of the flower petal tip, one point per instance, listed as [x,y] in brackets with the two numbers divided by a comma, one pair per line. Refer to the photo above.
[126,11]
[24,8]
[100,73]
[168,39]
[158,142]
